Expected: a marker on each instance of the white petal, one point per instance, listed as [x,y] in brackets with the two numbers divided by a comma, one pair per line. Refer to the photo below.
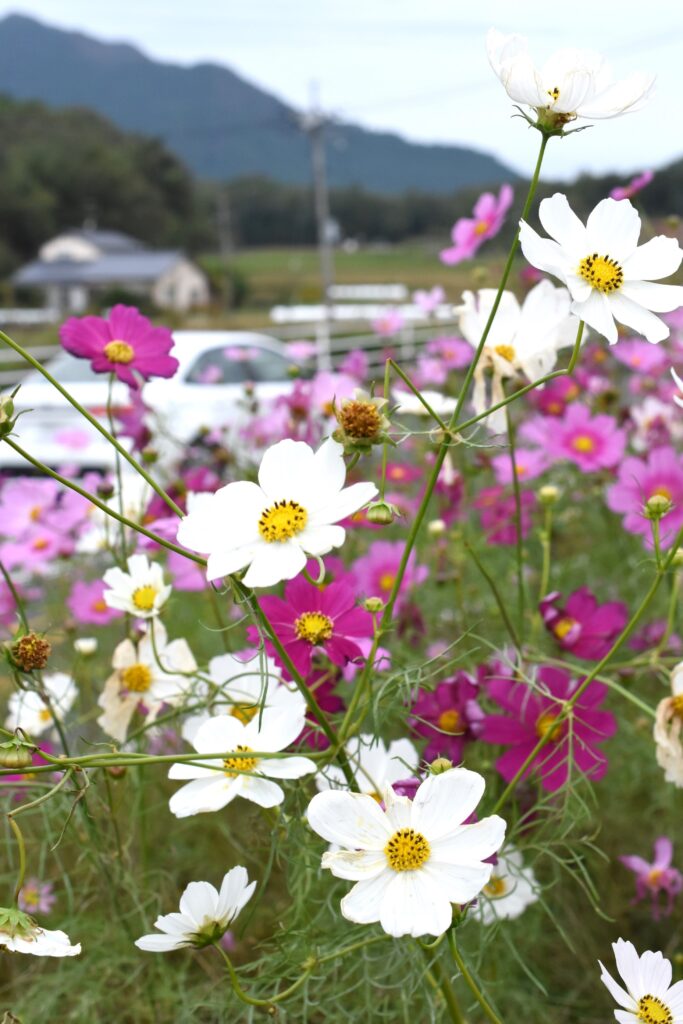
[199,902]
[414,905]
[542,252]
[353,820]
[221,732]
[661,298]
[261,791]
[343,504]
[236,891]
[287,472]
[203,796]
[444,801]
[613,229]
[159,943]
[287,767]
[329,468]
[562,224]
[459,883]
[597,313]
[639,319]
[272,563]
[470,843]
[660,257]
[181,770]
[223,562]
[363,904]
[355,864]
[319,540]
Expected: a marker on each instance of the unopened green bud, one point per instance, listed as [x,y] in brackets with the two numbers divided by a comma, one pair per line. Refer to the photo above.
[149,456]
[657,506]
[382,513]
[440,765]
[105,490]
[16,754]
[677,559]
[549,494]
[373,605]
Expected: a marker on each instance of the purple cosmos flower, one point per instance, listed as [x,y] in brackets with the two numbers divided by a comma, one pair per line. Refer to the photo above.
[582,626]
[660,472]
[389,323]
[529,463]
[86,603]
[310,618]
[554,397]
[36,897]
[442,716]
[591,442]
[642,357]
[469,233]
[634,186]
[126,343]
[375,573]
[531,714]
[428,301]
[651,636]
[497,511]
[658,880]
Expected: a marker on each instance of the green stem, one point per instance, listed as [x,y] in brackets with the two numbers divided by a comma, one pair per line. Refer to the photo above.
[474,988]
[252,1000]
[119,475]
[416,391]
[447,990]
[496,594]
[94,422]
[22,856]
[21,612]
[519,543]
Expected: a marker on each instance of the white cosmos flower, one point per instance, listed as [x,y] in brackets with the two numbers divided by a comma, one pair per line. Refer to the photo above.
[246,688]
[522,339]
[38,942]
[610,277]
[140,591]
[649,995]
[214,786]
[273,526]
[572,83]
[150,673]
[410,405]
[413,860]
[679,384]
[205,914]
[374,766]
[27,709]
[509,891]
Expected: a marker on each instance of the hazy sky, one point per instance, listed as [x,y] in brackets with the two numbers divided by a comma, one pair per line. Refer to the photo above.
[414,66]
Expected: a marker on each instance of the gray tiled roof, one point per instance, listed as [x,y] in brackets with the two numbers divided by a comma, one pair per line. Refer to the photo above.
[109,242]
[112,269]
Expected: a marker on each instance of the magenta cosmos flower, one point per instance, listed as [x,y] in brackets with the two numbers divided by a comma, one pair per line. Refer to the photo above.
[634,186]
[531,714]
[311,618]
[469,233]
[582,626]
[497,514]
[661,472]
[591,442]
[87,605]
[442,717]
[658,880]
[375,573]
[126,344]
[554,397]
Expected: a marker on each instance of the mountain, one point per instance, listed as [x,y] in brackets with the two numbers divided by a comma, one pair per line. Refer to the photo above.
[222,126]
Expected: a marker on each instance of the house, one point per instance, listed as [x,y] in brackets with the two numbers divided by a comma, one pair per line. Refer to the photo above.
[75,267]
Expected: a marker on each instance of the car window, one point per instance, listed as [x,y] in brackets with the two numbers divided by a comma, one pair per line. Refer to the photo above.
[238,364]
[266,366]
[67,369]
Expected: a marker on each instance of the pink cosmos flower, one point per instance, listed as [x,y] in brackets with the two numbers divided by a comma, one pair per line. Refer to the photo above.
[591,442]
[554,397]
[529,463]
[582,626]
[403,472]
[497,511]
[634,186]
[375,573]
[651,636]
[429,301]
[658,880]
[468,234]
[660,472]
[36,897]
[442,716]
[131,422]
[355,364]
[531,713]
[389,323]
[454,353]
[641,356]
[311,619]
[87,605]
[126,343]
[300,351]
[25,503]
[35,551]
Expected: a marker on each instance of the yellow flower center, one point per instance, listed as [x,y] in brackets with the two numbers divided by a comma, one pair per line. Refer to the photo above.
[40,543]
[137,678]
[407,850]
[313,627]
[100,605]
[450,721]
[143,597]
[30,897]
[234,765]
[481,227]
[119,352]
[506,351]
[546,725]
[554,94]
[495,887]
[45,715]
[244,712]
[677,705]
[654,876]
[563,627]
[387,580]
[34,514]
[663,492]
[282,521]
[602,273]
[583,443]
[651,1010]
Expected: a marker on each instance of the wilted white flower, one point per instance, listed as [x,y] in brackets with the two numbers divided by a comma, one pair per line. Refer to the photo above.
[522,339]
[610,277]
[141,591]
[19,933]
[205,914]
[572,83]
[374,765]
[668,730]
[649,996]
[410,405]
[412,861]
[273,526]
[149,674]
[214,786]
[27,709]
[510,889]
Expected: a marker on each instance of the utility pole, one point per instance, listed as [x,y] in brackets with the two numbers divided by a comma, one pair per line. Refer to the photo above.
[313,123]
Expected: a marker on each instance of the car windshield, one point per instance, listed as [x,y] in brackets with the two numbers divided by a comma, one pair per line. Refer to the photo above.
[232,364]
[67,369]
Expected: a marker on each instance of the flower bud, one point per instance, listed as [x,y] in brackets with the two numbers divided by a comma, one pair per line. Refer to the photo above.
[373,605]
[30,652]
[440,765]
[16,754]
[436,528]
[149,456]
[105,490]
[382,513]
[116,771]
[677,560]
[657,506]
[549,494]
[85,645]
[7,417]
